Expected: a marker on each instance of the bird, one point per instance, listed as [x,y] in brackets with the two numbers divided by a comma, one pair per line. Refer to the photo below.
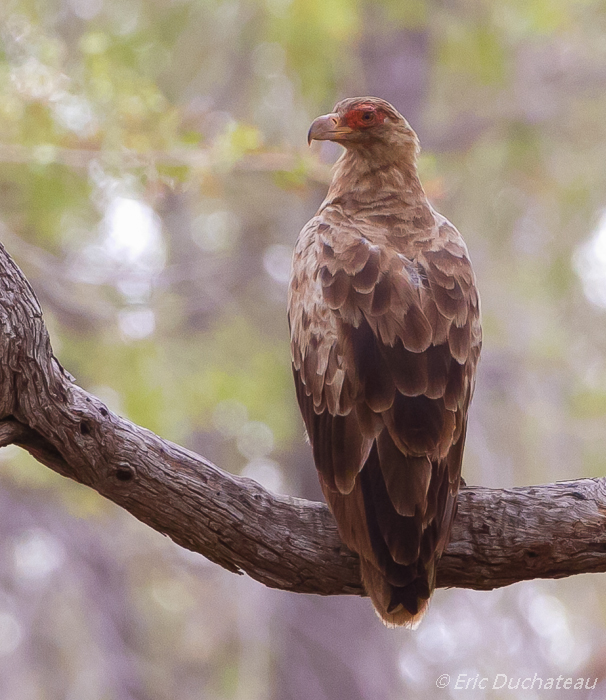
[385,334]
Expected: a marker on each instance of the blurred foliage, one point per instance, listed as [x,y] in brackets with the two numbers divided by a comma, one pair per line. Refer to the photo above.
[153,178]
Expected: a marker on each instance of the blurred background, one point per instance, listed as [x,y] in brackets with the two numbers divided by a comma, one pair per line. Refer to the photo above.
[154,175]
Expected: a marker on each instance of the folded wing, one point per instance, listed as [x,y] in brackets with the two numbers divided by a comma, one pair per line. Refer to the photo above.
[385,340]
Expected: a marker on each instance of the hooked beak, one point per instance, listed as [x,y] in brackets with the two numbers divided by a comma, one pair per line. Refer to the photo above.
[327,128]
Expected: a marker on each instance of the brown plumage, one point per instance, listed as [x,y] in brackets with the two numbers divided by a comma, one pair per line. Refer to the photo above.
[385,335]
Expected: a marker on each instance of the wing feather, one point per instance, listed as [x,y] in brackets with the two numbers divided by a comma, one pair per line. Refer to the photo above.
[385,340]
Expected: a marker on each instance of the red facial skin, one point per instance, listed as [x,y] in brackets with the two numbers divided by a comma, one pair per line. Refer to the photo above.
[364,116]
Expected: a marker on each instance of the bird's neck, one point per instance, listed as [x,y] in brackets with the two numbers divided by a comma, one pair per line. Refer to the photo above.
[361,178]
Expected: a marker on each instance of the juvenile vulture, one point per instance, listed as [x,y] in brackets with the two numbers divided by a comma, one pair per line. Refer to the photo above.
[385,336]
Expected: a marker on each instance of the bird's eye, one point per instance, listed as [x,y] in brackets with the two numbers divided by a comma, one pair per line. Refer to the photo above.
[367,116]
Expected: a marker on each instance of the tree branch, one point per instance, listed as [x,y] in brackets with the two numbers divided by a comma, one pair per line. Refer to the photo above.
[197,158]
[499,536]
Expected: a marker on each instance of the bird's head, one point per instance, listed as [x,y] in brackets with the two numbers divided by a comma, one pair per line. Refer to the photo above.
[367,124]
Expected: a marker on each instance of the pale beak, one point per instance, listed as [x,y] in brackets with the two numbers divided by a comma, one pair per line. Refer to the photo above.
[327,128]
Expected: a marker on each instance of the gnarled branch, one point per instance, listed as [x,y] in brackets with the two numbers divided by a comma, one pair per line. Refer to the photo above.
[499,537]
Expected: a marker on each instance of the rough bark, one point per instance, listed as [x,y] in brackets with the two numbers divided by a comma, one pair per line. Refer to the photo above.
[499,537]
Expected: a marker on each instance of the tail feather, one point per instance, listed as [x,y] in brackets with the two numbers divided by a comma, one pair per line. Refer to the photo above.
[396,606]
[398,553]
[399,572]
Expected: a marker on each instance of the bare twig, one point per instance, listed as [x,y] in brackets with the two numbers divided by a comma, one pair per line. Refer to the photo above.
[195,158]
